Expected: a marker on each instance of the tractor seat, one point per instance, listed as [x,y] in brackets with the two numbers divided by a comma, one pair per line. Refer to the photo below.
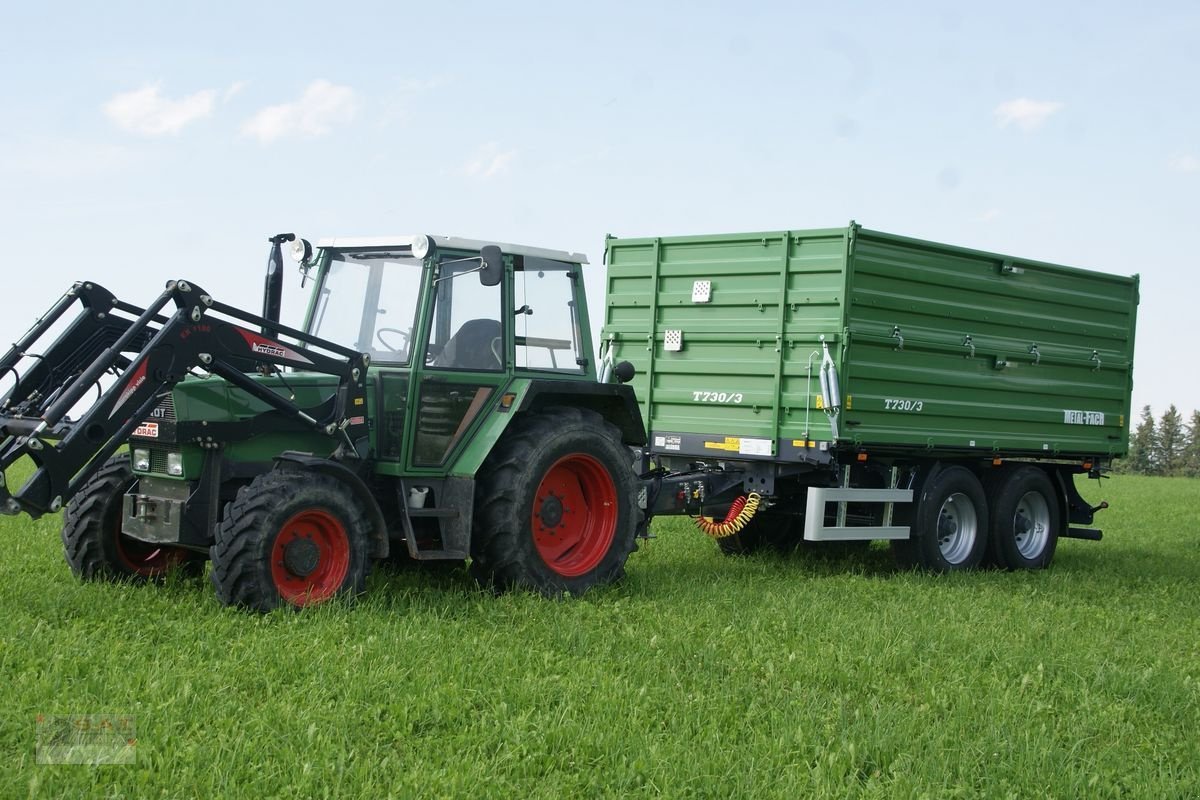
[475,345]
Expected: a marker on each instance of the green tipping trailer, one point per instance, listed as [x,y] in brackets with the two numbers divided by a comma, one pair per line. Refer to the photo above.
[844,370]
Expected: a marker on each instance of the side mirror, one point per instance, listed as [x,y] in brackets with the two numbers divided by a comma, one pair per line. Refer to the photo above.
[491,270]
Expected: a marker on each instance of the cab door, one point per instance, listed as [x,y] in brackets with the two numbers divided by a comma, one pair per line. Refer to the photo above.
[465,363]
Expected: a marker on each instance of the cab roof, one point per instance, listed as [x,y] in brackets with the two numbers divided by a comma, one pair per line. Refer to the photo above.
[450,243]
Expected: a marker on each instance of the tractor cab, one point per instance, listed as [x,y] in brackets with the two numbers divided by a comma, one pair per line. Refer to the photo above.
[442,303]
[448,324]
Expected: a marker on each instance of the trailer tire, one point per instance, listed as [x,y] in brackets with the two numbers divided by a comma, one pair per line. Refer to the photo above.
[290,538]
[1025,516]
[949,524]
[555,505]
[93,543]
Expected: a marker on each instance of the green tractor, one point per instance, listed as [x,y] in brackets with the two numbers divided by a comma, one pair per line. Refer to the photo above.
[441,403]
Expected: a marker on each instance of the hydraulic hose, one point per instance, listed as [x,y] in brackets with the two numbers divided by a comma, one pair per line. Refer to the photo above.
[741,511]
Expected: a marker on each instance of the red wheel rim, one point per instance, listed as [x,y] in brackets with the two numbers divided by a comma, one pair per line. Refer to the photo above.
[310,557]
[148,559]
[574,515]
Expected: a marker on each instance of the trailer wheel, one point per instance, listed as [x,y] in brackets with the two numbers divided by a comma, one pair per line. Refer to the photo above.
[93,543]
[290,538]
[1025,519]
[949,524]
[556,506]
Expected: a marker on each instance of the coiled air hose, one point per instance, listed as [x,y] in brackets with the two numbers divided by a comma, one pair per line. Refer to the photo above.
[740,513]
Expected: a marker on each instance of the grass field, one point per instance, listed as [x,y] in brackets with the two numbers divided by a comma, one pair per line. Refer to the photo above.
[698,676]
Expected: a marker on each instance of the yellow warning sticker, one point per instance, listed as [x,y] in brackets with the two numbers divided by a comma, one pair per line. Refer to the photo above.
[731,443]
[802,443]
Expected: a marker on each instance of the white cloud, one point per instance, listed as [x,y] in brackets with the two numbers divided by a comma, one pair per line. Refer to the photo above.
[1185,163]
[233,89]
[147,112]
[1026,114]
[488,161]
[989,215]
[314,114]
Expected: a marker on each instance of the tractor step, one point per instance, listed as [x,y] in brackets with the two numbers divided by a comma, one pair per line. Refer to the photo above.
[441,513]
[438,555]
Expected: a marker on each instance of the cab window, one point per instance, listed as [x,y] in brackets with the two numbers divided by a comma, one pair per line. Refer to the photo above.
[466,331]
[547,322]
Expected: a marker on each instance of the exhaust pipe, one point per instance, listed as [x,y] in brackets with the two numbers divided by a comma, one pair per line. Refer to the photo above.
[273,286]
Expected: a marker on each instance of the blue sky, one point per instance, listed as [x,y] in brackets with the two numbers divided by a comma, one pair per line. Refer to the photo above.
[146,141]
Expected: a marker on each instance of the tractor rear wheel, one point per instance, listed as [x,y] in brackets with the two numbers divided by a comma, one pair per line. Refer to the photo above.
[555,506]
[290,538]
[93,543]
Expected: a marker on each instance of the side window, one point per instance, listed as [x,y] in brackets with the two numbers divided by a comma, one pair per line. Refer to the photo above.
[466,333]
[339,310]
[547,328]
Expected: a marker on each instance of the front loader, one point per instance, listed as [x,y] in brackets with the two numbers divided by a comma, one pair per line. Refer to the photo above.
[440,403]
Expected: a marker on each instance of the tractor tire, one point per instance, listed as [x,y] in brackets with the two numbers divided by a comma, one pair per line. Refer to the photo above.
[949,524]
[1025,516]
[555,506]
[290,538]
[93,543]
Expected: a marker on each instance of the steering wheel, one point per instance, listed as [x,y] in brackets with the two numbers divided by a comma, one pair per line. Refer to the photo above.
[407,339]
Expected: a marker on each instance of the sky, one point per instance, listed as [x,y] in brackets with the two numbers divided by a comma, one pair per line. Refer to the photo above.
[142,141]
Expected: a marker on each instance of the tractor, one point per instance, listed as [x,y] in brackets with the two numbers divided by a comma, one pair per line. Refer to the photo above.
[440,403]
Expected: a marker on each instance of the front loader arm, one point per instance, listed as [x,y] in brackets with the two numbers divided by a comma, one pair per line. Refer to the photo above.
[150,354]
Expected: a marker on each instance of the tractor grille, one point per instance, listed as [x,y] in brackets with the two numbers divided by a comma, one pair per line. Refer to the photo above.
[158,459]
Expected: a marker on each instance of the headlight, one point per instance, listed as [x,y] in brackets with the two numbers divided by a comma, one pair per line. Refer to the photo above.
[301,251]
[174,463]
[420,246]
[141,459]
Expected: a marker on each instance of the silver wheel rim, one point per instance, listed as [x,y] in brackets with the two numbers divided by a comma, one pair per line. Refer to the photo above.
[1031,524]
[957,528]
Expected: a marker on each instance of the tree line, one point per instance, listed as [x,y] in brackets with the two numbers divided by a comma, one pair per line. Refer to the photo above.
[1163,447]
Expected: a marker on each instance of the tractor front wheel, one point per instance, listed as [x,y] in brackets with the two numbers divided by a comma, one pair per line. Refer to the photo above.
[556,505]
[93,543]
[290,538]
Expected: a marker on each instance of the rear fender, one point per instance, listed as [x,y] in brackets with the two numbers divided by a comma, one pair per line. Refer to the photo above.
[614,402]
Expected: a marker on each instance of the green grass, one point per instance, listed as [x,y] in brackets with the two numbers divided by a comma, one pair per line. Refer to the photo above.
[699,675]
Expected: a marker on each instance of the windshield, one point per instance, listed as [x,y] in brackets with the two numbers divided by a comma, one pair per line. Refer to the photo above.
[368,301]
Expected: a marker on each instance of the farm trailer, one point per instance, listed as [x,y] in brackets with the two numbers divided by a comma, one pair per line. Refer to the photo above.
[852,385]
